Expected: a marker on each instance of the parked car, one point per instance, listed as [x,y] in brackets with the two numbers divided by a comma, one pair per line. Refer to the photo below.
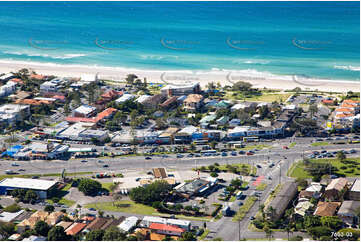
[224,154]
[249,153]
[84,161]
[180,156]
[241,152]
[234,153]
[148,158]
[92,209]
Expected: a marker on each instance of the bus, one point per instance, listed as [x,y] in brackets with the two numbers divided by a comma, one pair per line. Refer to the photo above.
[55,141]
[251,139]
[208,151]
[200,142]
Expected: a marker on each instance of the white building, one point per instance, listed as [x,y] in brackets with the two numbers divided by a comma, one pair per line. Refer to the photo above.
[125,98]
[128,224]
[148,220]
[93,134]
[7,217]
[72,132]
[7,89]
[41,187]
[10,113]
[84,111]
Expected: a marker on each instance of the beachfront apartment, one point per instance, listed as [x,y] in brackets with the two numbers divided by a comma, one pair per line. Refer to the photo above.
[193,102]
[10,113]
[186,89]
[7,89]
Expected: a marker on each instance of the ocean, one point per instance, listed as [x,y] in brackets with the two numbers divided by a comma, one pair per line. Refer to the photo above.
[309,39]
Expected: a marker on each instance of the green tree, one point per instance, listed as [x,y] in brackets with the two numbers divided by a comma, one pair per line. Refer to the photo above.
[7,229]
[319,231]
[13,208]
[57,233]
[31,196]
[95,235]
[341,156]
[349,234]
[332,222]
[49,208]
[89,187]
[313,109]
[214,174]
[41,228]
[156,191]
[188,236]
[113,234]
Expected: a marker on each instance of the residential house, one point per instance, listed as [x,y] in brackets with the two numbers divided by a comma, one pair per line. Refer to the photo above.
[96,224]
[54,218]
[246,106]
[193,102]
[110,95]
[166,229]
[335,189]
[326,208]
[154,101]
[348,212]
[64,224]
[31,221]
[128,224]
[354,192]
[124,98]
[75,228]
[7,217]
[303,206]
[222,120]
[84,111]
[169,103]
[35,238]
[313,190]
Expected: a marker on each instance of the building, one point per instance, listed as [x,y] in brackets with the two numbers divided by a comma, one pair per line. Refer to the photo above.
[193,102]
[313,190]
[110,95]
[64,224]
[72,132]
[124,98]
[335,189]
[11,113]
[167,136]
[186,89]
[354,192]
[38,150]
[169,103]
[194,188]
[128,224]
[154,101]
[54,218]
[348,212]
[166,229]
[35,238]
[281,201]
[41,187]
[185,134]
[148,220]
[96,224]
[7,217]
[159,173]
[31,221]
[243,106]
[84,111]
[90,134]
[303,207]
[326,208]
[7,89]
[52,85]
[75,228]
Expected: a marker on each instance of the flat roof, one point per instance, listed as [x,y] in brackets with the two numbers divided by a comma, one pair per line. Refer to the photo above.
[27,183]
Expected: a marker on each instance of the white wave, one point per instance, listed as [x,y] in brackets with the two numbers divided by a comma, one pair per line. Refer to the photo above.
[64,56]
[158,57]
[349,67]
[240,61]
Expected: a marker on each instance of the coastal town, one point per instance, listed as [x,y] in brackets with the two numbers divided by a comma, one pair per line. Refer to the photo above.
[98,159]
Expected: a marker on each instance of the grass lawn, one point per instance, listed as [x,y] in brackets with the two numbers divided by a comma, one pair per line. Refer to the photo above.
[265,97]
[232,199]
[323,143]
[125,206]
[259,147]
[64,201]
[241,168]
[244,208]
[292,145]
[298,169]
[44,175]
[204,235]
[261,187]
[107,185]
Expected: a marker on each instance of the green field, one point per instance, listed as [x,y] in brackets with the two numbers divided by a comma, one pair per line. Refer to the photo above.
[125,206]
[261,187]
[265,97]
[323,143]
[243,210]
[298,169]
[259,147]
[293,144]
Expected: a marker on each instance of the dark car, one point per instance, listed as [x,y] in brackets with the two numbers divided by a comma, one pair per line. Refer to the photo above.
[148,158]
[92,209]
[241,152]
[259,166]
[84,161]
[105,166]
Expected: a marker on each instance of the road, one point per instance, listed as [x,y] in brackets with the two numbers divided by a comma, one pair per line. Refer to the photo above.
[124,164]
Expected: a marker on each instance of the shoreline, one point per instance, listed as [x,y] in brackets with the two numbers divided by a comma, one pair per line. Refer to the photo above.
[225,77]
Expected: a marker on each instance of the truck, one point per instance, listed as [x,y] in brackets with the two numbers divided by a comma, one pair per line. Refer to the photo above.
[239,195]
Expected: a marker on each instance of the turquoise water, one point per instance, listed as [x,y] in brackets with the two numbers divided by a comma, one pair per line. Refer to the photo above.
[315,39]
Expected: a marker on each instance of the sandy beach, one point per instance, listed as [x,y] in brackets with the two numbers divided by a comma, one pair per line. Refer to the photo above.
[225,77]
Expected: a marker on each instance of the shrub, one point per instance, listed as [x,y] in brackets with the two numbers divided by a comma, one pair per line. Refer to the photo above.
[296,238]
[13,208]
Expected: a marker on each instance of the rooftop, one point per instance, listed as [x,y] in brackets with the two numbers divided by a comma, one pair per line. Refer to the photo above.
[36,184]
[166,227]
[337,184]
